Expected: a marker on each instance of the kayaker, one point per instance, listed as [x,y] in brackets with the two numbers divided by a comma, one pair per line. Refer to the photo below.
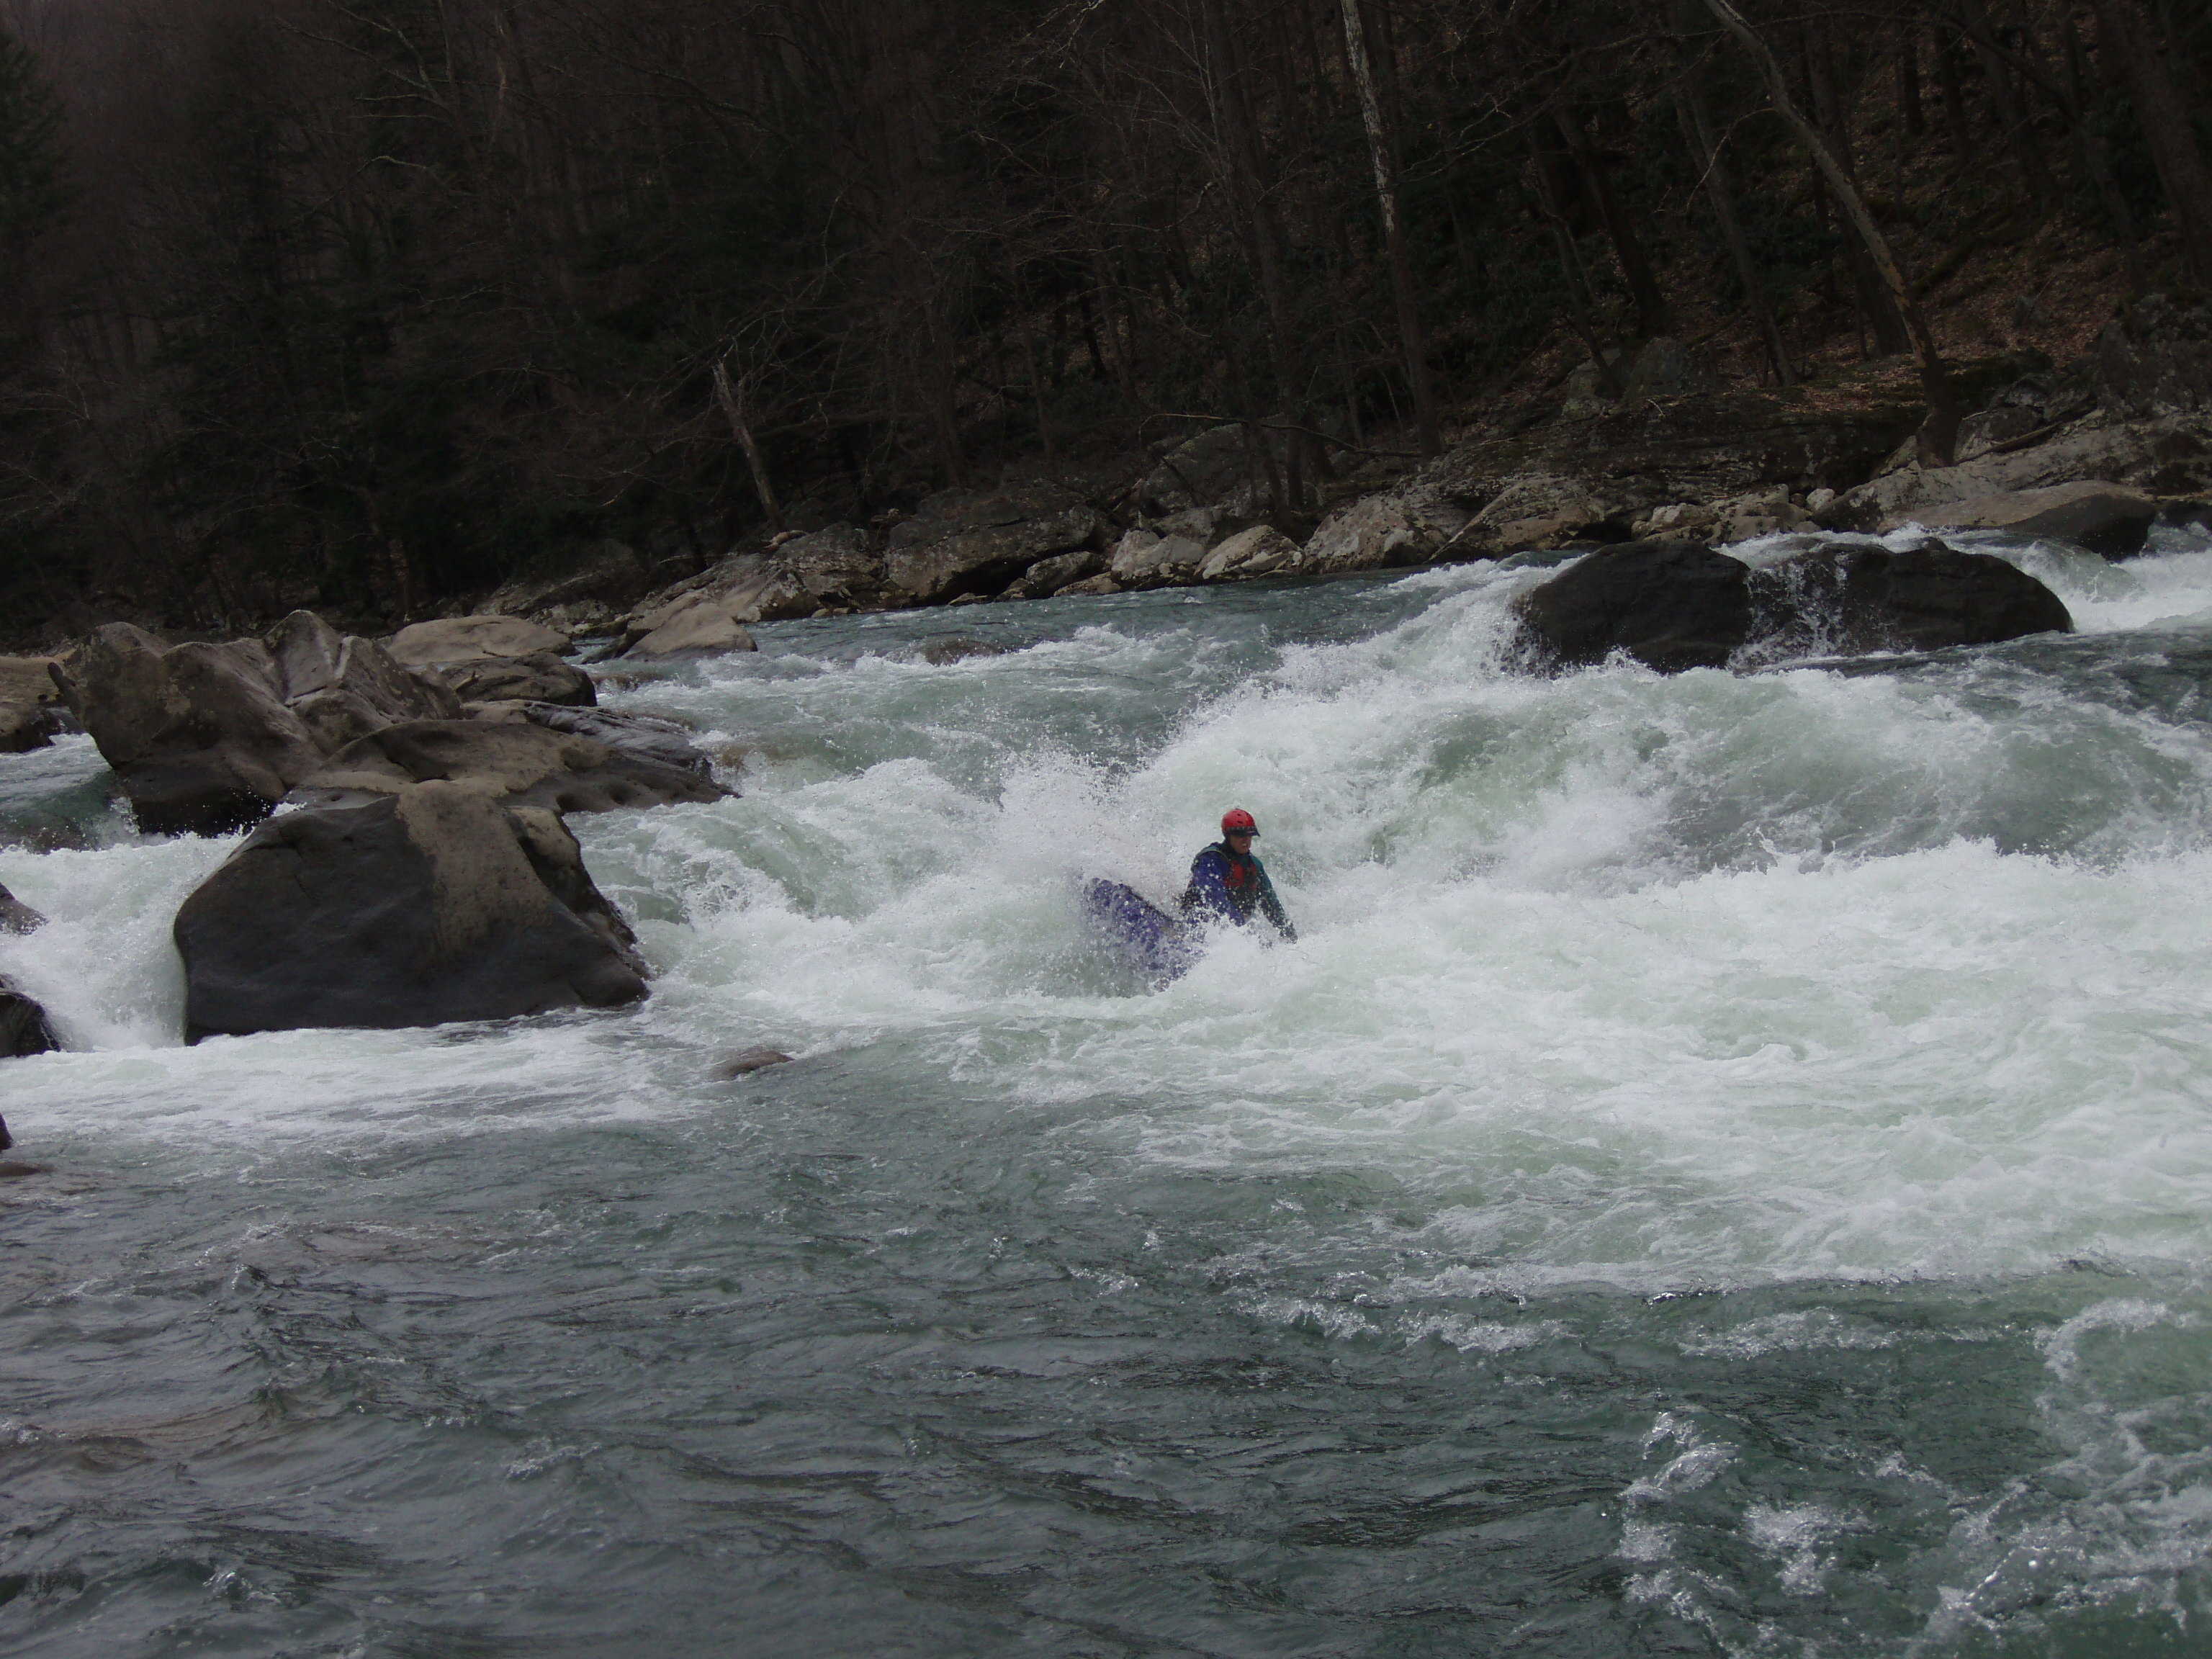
[1226,879]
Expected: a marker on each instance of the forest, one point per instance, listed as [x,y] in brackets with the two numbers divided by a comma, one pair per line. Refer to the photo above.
[370,304]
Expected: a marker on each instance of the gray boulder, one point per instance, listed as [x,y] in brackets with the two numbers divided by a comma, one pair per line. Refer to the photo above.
[438,904]
[640,737]
[2112,519]
[196,734]
[2167,455]
[1410,523]
[31,710]
[965,542]
[835,566]
[540,677]
[1262,550]
[460,639]
[1203,470]
[520,761]
[1143,558]
[343,686]
[1669,605]
[703,624]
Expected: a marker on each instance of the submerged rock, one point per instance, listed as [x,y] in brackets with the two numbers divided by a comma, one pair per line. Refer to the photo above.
[438,904]
[746,1061]
[523,762]
[17,917]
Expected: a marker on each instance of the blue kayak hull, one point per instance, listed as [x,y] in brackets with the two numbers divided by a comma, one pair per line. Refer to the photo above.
[1137,932]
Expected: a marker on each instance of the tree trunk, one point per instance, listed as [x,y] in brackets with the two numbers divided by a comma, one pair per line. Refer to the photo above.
[1939,432]
[734,409]
[1411,338]
[1696,129]
[1651,312]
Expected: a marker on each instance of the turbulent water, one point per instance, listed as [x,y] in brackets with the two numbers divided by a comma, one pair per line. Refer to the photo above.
[1726,1170]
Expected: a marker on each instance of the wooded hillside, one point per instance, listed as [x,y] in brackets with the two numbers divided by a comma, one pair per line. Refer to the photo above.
[365,304]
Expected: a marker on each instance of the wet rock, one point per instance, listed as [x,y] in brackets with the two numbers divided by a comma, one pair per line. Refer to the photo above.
[946,648]
[540,677]
[1048,576]
[1849,599]
[1262,550]
[17,917]
[980,541]
[1671,605]
[438,904]
[746,1061]
[32,714]
[24,1030]
[460,639]
[2111,520]
[522,762]
[196,734]
[1101,583]
[641,737]
[705,623]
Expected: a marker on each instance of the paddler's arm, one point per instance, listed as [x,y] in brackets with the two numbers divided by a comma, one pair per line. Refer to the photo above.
[1272,907]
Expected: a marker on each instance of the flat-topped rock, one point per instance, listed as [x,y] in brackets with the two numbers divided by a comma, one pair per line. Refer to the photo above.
[458,639]
[520,762]
[2113,519]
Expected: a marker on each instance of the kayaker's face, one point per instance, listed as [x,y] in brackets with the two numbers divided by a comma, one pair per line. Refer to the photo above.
[1239,842]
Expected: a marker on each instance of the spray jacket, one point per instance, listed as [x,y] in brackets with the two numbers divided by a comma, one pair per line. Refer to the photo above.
[1223,885]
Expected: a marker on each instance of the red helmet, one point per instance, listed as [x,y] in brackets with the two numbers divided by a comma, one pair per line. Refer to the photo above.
[1236,818]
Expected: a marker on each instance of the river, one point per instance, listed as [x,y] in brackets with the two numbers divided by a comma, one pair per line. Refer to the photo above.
[1725,1169]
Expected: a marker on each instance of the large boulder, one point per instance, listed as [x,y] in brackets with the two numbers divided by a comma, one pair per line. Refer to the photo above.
[24,1028]
[31,710]
[1669,605]
[2166,455]
[196,734]
[834,567]
[1850,598]
[1410,523]
[2112,519]
[439,903]
[540,677]
[521,762]
[460,639]
[963,542]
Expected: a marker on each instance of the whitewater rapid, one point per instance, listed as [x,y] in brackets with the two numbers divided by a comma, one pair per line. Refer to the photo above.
[1612,989]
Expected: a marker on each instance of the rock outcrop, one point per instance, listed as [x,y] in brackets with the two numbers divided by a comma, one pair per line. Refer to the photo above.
[964,541]
[2166,455]
[2155,358]
[541,677]
[1262,550]
[31,710]
[17,917]
[1672,606]
[439,903]
[206,738]
[521,762]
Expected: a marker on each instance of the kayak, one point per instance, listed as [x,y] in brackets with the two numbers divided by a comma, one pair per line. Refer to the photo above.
[1137,932]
